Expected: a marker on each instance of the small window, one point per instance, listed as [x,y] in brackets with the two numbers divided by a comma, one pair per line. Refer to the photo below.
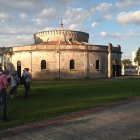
[43,64]
[97,64]
[72,64]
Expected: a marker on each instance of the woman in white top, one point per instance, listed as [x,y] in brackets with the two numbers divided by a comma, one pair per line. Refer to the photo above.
[14,82]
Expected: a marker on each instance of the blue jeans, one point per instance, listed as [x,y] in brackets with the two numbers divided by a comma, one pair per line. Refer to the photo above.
[3,103]
[27,88]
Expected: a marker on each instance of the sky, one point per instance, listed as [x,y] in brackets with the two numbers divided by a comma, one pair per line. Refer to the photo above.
[106,21]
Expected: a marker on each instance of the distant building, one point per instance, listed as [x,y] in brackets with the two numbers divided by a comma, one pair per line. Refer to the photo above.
[64,54]
[129,70]
[133,58]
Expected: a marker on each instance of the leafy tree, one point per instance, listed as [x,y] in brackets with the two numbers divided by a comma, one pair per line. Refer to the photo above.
[126,62]
[137,58]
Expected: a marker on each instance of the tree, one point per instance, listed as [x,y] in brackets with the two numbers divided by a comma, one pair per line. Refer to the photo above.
[126,62]
[137,58]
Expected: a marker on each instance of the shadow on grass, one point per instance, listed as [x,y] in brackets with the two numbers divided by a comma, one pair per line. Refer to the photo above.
[53,98]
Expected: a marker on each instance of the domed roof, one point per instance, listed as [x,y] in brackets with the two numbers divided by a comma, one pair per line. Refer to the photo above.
[61,35]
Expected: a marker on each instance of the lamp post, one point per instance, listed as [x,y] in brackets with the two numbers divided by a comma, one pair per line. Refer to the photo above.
[59,73]
[59,50]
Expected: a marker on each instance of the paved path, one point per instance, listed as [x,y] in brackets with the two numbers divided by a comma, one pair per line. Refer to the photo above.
[116,122]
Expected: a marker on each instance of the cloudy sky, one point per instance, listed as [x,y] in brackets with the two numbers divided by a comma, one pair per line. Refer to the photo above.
[115,21]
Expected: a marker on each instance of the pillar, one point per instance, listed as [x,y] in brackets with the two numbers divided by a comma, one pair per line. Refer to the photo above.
[109,61]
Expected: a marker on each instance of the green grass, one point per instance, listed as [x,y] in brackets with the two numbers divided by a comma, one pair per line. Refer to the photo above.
[53,98]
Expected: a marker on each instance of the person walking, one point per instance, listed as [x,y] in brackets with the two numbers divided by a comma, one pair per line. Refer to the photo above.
[3,95]
[14,82]
[27,78]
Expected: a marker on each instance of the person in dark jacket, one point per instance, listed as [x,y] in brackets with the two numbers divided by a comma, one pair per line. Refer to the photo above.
[27,81]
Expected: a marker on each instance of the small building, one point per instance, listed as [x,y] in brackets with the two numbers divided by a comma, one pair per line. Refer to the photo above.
[133,58]
[64,54]
[129,70]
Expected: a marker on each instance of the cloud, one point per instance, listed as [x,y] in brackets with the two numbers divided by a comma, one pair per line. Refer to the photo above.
[103,18]
[107,17]
[23,16]
[17,30]
[65,3]
[74,27]
[127,3]
[21,5]
[44,15]
[129,18]
[24,4]
[75,15]
[117,35]
[94,24]
[103,10]
[4,16]
[38,21]
[104,7]
[113,35]
[49,28]
[48,13]
[18,40]
[103,34]
[2,21]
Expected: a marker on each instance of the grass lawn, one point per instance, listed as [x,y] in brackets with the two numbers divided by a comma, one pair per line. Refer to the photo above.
[52,98]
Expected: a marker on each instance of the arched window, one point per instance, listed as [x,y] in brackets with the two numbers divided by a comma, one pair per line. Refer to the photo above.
[72,64]
[97,64]
[43,64]
[19,68]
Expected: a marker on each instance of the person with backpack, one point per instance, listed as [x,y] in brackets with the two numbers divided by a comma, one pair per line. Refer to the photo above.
[27,78]
[3,95]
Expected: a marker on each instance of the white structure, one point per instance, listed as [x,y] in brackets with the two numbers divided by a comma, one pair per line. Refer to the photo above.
[64,54]
[133,58]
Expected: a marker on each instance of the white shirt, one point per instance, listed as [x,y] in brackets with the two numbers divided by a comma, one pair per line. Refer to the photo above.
[14,81]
